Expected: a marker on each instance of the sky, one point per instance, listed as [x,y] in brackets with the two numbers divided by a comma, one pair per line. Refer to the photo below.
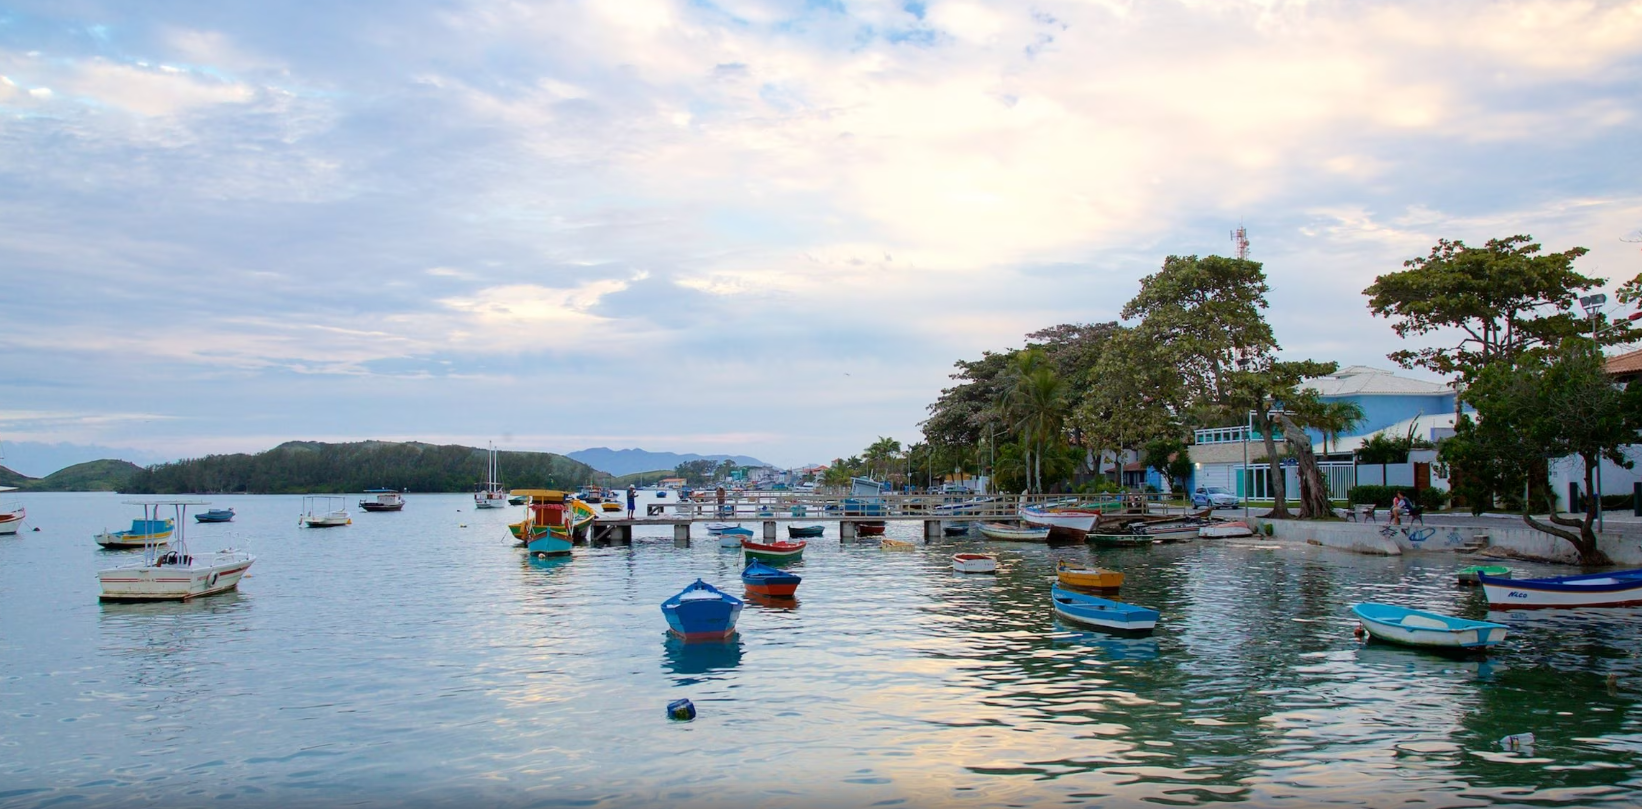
[765,228]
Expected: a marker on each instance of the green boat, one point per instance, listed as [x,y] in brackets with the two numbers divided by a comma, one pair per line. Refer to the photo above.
[1468,575]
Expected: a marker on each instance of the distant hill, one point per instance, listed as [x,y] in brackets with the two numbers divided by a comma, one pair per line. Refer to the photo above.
[628,461]
[304,467]
[14,479]
[107,475]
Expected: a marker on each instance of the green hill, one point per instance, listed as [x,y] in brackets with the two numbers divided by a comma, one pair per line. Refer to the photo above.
[14,479]
[640,478]
[304,467]
[107,475]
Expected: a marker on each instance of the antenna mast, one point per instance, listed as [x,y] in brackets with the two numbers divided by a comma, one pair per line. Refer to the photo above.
[1240,238]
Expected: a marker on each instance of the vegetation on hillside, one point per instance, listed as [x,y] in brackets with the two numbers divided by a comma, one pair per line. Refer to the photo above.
[107,475]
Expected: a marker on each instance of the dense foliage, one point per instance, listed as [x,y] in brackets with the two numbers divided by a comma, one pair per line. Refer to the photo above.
[301,467]
[107,475]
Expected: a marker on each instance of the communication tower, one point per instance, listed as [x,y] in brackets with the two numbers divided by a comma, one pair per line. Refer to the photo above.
[1240,238]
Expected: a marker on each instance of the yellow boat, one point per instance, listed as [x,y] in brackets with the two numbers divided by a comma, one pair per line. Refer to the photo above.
[549,515]
[897,545]
[1087,578]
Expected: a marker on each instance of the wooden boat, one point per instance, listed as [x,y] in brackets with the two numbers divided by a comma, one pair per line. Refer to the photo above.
[1010,533]
[1467,576]
[1410,627]
[898,545]
[176,574]
[870,529]
[805,531]
[1087,578]
[610,506]
[1119,523]
[11,514]
[516,499]
[146,531]
[1622,588]
[215,515]
[491,494]
[385,500]
[1074,518]
[731,537]
[716,528]
[775,550]
[701,612]
[1120,540]
[975,562]
[762,579]
[1102,613]
[1061,535]
[1169,533]
[552,521]
[956,530]
[1221,530]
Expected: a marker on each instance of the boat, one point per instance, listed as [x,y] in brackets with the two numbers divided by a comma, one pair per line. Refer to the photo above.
[1061,535]
[874,528]
[805,531]
[1411,627]
[701,612]
[1087,578]
[176,574]
[11,514]
[716,528]
[1076,519]
[491,495]
[898,545]
[1119,540]
[610,506]
[1467,576]
[149,530]
[958,530]
[762,579]
[975,562]
[385,500]
[1621,588]
[1169,532]
[323,511]
[1221,530]
[215,515]
[731,537]
[775,550]
[1102,613]
[516,499]
[1010,533]
[973,506]
[552,521]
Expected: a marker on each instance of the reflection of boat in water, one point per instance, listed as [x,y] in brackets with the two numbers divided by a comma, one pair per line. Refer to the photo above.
[701,657]
[1111,646]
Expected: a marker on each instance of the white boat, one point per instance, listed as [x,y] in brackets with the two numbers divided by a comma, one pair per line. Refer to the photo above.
[1620,588]
[1410,627]
[323,511]
[1234,528]
[716,528]
[492,495]
[975,562]
[11,514]
[1076,519]
[175,573]
[1009,533]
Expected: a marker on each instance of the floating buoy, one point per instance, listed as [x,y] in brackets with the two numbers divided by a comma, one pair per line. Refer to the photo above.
[463,525]
[1359,631]
[681,710]
[36,527]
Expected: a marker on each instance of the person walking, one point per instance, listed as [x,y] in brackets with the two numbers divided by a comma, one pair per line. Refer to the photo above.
[632,500]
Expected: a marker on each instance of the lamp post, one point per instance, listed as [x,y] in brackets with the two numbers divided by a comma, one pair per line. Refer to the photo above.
[1592,304]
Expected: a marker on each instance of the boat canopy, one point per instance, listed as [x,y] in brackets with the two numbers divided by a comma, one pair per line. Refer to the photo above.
[541,495]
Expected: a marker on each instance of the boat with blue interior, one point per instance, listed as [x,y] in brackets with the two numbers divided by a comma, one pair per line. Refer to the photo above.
[1102,613]
[766,580]
[1621,588]
[150,529]
[701,612]
[1411,627]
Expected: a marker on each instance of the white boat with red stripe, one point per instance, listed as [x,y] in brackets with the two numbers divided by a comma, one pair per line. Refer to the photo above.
[11,514]
[176,573]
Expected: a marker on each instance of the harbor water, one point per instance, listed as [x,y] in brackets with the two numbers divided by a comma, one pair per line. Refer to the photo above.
[419,659]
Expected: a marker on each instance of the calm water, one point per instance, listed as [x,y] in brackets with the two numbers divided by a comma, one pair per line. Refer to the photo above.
[418,659]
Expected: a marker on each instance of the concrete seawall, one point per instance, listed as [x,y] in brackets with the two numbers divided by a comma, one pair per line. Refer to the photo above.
[1624,548]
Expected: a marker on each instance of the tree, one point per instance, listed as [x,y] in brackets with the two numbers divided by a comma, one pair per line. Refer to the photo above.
[1546,407]
[879,455]
[1314,502]
[1172,460]
[1204,314]
[1265,383]
[1033,404]
[1506,297]
[1131,397]
[1329,418]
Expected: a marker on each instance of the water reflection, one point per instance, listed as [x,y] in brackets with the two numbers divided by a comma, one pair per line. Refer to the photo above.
[1110,645]
[777,603]
[700,657]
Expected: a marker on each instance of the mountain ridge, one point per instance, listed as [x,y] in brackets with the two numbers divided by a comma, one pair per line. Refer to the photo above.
[620,462]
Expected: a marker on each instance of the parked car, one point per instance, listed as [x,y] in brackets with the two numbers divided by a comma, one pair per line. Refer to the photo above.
[1213,496]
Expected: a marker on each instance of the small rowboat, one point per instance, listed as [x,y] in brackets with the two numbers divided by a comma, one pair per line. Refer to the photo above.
[1120,540]
[1087,578]
[215,515]
[1102,613]
[1009,533]
[870,529]
[1402,625]
[701,612]
[716,528]
[959,530]
[609,506]
[1622,588]
[1234,528]
[805,531]
[975,562]
[731,536]
[761,579]
[775,550]
[1076,519]
[1468,575]
[142,532]
[897,545]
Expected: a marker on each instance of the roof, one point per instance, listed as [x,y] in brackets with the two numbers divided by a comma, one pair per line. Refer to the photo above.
[1624,364]
[1361,380]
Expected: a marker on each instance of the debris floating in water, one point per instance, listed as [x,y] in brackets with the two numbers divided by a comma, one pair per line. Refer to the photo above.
[681,710]
[1518,741]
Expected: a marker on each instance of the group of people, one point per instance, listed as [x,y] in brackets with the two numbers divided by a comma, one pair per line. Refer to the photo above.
[1400,506]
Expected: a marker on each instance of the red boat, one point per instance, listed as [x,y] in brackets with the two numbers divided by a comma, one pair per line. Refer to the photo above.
[761,579]
[870,529]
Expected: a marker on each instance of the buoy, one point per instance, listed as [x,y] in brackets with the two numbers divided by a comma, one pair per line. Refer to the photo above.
[681,710]
[1358,632]
[36,527]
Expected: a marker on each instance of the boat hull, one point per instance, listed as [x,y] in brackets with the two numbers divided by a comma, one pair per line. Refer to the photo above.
[1004,533]
[1619,589]
[774,551]
[805,531]
[701,612]
[1120,540]
[217,574]
[10,521]
[1085,578]
[1225,530]
[326,522]
[1426,629]
[761,579]
[215,516]
[1467,577]
[369,506]
[974,563]
[869,529]
[1100,613]
[1076,520]
[548,544]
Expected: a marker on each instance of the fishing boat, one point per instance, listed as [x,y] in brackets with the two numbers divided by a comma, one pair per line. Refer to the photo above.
[701,612]
[764,580]
[177,573]
[1467,576]
[975,562]
[731,536]
[1010,533]
[1222,530]
[874,528]
[1621,588]
[323,511]
[516,499]
[552,521]
[1061,535]
[11,514]
[215,515]
[898,545]
[492,494]
[1169,532]
[775,550]
[1120,540]
[1410,627]
[1102,613]
[1074,518]
[385,500]
[1087,578]
[805,531]
[150,529]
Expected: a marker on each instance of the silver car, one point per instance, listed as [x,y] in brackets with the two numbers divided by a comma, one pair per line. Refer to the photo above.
[1213,496]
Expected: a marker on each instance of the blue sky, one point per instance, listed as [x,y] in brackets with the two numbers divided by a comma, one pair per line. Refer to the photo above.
[732,227]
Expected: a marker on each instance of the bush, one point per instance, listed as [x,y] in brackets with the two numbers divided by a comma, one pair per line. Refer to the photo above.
[1428,498]
[1618,502]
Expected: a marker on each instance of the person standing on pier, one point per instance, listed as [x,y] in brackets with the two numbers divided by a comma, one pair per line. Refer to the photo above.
[632,500]
[721,501]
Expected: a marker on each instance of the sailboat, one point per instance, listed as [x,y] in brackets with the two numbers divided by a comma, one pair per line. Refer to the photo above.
[492,495]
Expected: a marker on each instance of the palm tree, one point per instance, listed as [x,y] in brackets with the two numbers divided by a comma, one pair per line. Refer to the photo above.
[1034,406]
[1339,417]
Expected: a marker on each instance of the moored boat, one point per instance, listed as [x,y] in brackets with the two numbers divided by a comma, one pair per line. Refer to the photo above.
[215,515]
[975,562]
[1061,535]
[1010,533]
[775,550]
[1411,627]
[1119,540]
[731,536]
[898,545]
[1087,578]
[956,530]
[701,612]
[1221,530]
[385,500]
[805,531]
[176,574]
[765,580]
[149,530]
[874,528]
[716,528]
[1076,519]
[323,511]
[552,520]
[1102,613]
[491,494]
[11,514]
[1467,576]
[1622,588]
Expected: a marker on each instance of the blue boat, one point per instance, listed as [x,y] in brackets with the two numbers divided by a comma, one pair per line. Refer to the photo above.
[1434,630]
[1102,613]
[805,531]
[765,580]
[731,537]
[701,612]
[215,515]
[548,544]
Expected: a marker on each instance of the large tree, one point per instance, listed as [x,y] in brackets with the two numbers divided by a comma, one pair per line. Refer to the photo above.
[1034,405]
[1131,398]
[1266,385]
